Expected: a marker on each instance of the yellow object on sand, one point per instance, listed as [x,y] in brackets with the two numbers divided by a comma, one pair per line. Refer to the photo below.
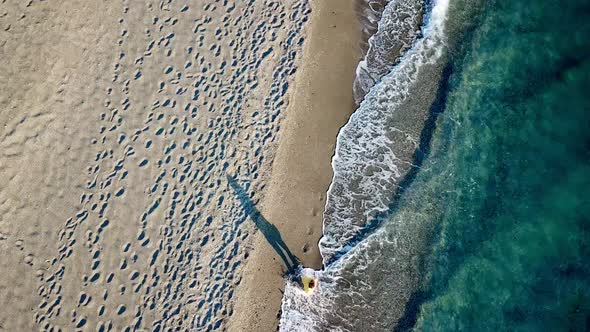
[308,280]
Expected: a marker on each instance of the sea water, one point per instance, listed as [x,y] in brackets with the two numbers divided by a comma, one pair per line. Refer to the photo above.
[484,224]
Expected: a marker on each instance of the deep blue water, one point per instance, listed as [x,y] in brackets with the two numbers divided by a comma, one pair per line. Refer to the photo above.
[510,166]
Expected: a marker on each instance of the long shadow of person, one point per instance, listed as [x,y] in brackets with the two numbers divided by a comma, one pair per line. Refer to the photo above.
[270,231]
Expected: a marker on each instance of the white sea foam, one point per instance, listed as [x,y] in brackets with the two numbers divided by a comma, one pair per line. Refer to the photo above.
[366,165]
[373,153]
[369,14]
[397,30]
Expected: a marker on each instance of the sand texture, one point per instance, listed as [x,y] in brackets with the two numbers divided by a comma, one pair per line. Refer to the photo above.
[119,123]
[321,103]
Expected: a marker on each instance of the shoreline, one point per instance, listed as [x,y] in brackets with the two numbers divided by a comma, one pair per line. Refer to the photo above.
[320,103]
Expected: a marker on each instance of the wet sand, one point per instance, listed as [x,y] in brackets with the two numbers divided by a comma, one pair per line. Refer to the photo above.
[320,103]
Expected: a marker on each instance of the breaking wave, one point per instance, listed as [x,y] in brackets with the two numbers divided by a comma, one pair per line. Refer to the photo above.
[367,255]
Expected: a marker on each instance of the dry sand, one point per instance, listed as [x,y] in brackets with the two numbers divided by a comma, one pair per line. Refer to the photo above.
[119,121]
[320,105]
[49,84]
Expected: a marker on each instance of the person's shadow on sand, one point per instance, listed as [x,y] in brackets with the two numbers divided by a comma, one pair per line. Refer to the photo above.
[270,231]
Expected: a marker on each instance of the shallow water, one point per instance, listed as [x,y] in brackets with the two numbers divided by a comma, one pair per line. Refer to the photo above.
[490,230]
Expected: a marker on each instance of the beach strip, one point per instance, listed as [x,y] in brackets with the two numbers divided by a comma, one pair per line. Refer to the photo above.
[320,103]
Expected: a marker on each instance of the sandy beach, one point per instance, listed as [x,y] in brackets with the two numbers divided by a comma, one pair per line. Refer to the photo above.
[120,122]
[320,105]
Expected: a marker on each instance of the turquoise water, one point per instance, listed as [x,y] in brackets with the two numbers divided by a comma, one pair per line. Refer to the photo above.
[509,172]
